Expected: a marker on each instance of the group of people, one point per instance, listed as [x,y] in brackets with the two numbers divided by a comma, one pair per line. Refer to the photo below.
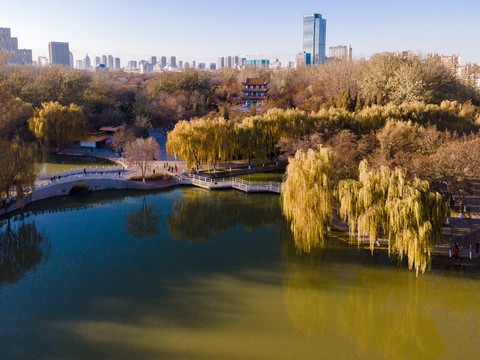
[170,168]
[55,178]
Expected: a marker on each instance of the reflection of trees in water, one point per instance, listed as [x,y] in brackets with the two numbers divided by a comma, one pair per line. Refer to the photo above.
[200,214]
[22,249]
[143,222]
[386,311]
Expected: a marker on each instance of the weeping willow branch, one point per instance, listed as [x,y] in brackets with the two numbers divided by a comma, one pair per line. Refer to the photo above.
[411,215]
[307,197]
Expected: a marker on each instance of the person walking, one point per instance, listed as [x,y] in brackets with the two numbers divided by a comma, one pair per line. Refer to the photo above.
[456,251]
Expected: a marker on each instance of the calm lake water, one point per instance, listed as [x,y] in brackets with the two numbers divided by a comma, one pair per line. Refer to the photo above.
[192,274]
[57,163]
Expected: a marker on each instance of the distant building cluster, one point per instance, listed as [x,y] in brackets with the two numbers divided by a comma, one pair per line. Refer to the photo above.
[313,54]
[10,44]
[469,72]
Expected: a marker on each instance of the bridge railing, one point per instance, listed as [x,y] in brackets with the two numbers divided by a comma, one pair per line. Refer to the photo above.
[79,170]
[230,181]
[90,175]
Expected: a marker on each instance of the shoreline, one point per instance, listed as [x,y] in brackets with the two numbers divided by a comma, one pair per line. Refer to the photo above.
[440,255]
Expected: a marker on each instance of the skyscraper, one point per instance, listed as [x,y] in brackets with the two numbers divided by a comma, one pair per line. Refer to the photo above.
[228,62]
[98,61]
[163,61]
[87,64]
[59,53]
[116,64]
[110,62]
[220,62]
[314,34]
[104,60]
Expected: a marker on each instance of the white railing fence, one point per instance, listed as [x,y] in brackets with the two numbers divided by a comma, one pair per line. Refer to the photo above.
[77,177]
[80,170]
[234,182]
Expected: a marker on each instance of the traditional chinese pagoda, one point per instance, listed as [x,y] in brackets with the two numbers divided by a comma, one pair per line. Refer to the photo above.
[254,91]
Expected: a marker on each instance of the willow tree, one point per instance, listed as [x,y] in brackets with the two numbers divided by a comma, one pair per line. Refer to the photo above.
[250,137]
[202,141]
[278,123]
[13,114]
[17,166]
[307,197]
[410,214]
[184,143]
[55,123]
[219,140]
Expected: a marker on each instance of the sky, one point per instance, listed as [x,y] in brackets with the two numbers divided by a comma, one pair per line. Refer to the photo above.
[203,30]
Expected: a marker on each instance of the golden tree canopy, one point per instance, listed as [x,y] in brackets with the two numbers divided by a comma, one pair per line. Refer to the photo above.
[411,215]
[55,123]
[307,197]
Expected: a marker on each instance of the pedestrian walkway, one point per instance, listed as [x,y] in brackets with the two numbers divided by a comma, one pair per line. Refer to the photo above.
[224,183]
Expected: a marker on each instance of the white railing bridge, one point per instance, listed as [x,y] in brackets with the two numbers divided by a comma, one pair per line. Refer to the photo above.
[231,182]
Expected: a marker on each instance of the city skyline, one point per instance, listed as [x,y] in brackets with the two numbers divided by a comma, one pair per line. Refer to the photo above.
[192,31]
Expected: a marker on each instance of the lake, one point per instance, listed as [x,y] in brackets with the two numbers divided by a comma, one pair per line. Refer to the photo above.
[192,274]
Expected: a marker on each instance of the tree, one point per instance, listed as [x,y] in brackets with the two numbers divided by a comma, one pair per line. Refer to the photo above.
[455,166]
[224,112]
[344,147]
[411,216]
[141,152]
[253,109]
[307,197]
[55,123]
[17,166]
[13,115]
[186,142]
[121,138]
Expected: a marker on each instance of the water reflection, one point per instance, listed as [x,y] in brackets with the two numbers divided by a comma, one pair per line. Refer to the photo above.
[143,222]
[22,248]
[386,311]
[200,214]
[245,295]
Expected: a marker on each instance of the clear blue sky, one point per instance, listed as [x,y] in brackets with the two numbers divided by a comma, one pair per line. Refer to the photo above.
[203,30]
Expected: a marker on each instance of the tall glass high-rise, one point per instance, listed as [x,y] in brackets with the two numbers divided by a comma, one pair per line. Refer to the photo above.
[314,35]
